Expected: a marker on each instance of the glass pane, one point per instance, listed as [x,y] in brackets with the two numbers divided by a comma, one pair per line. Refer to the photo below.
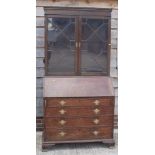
[94,46]
[61,46]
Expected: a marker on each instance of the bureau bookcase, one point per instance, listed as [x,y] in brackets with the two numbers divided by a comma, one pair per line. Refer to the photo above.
[78,93]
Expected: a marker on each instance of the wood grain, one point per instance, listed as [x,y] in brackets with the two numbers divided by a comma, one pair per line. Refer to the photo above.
[104,120]
[78,133]
[82,102]
[77,111]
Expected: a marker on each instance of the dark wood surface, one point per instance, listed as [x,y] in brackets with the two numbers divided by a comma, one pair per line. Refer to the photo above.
[78,133]
[78,11]
[59,122]
[77,111]
[80,101]
[40,123]
[77,86]
[69,120]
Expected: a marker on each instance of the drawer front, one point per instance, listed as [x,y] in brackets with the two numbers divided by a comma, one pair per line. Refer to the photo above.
[52,102]
[78,134]
[78,111]
[77,122]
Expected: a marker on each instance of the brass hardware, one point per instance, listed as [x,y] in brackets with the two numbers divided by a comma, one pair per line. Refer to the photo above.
[96,102]
[79,45]
[96,111]
[109,44]
[62,102]
[76,45]
[62,122]
[95,133]
[96,121]
[62,111]
[62,133]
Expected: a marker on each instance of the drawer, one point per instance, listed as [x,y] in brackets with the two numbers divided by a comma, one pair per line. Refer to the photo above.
[78,134]
[52,102]
[78,111]
[77,122]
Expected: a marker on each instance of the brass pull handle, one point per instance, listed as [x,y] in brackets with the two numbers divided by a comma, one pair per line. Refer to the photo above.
[62,122]
[97,102]
[109,44]
[79,45]
[62,134]
[96,121]
[96,111]
[76,44]
[62,102]
[62,111]
[95,133]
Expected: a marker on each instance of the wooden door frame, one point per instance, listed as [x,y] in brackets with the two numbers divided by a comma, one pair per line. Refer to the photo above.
[46,42]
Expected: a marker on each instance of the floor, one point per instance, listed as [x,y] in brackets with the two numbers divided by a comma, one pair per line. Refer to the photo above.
[78,149]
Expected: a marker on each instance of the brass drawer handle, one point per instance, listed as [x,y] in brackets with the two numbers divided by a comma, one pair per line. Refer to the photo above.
[62,111]
[95,133]
[97,102]
[96,121]
[62,122]
[62,102]
[62,134]
[96,111]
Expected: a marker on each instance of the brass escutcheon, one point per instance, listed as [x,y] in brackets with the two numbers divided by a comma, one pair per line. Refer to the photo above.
[62,133]
[96,102]
[95,133]
[62,122]
[62,102]
[62,111]
[96,111]
[96,121]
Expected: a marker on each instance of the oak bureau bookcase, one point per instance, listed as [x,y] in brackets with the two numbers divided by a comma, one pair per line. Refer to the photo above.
[78,92]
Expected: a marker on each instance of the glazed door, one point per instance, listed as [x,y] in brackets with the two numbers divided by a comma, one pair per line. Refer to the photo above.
[94,46]
[77,45]
[61,51]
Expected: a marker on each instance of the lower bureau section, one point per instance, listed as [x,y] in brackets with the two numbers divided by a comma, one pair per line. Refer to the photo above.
[78,133]
[83,119]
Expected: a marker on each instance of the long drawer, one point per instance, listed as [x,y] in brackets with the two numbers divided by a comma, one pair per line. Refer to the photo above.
[78,134]
[78,121]
[90,101]
[77,111]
